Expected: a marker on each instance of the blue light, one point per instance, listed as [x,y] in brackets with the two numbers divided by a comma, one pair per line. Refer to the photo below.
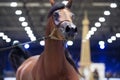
[26,46]
[69,43]
[101,42]
[42,43]
[102,46]
[66,46]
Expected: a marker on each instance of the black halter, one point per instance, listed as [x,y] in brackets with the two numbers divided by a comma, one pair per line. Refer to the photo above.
[55,7]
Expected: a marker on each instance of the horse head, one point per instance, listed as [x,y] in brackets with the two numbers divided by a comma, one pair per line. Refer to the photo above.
[61,20]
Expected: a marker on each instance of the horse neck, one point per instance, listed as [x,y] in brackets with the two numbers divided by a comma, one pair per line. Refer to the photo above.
[54,55]
[53,46]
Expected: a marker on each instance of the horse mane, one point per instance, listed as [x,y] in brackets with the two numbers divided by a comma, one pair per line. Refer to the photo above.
[17,56]
[70,60]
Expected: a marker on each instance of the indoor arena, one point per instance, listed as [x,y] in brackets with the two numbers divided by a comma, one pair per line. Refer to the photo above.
[59,39]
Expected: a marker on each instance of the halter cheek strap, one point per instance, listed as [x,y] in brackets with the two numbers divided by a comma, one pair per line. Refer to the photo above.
[56,22]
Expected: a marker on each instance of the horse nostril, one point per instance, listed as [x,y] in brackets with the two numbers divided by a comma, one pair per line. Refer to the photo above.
[70,29]
[75,29]
[67,29]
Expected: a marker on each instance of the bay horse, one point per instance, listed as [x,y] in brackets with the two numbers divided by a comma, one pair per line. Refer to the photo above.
[52,64]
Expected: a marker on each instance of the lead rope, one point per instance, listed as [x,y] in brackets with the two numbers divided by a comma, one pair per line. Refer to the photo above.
[13,46]
[39,39]
[52,36]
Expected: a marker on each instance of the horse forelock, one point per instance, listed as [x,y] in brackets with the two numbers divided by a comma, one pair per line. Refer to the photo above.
[55,7]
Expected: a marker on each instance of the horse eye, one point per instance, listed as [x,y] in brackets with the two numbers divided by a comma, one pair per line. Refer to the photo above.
[56,14]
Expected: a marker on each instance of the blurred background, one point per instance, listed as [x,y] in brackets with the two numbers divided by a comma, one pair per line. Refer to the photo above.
[25,20]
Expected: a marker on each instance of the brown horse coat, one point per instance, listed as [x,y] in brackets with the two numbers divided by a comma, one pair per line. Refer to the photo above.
[51,64]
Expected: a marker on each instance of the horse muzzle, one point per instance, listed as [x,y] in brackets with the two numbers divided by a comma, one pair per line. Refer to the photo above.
[69,30]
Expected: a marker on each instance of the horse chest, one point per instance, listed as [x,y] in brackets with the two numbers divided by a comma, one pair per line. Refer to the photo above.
[58,77]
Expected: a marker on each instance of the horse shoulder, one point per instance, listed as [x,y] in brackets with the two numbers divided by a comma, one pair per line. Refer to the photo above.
[24,71]
[38,69]
[71,72]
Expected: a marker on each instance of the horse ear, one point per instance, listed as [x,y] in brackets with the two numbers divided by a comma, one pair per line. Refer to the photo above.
[69,4]
[52,2]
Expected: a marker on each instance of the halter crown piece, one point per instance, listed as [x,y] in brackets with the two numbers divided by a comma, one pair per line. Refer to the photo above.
[57,6]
